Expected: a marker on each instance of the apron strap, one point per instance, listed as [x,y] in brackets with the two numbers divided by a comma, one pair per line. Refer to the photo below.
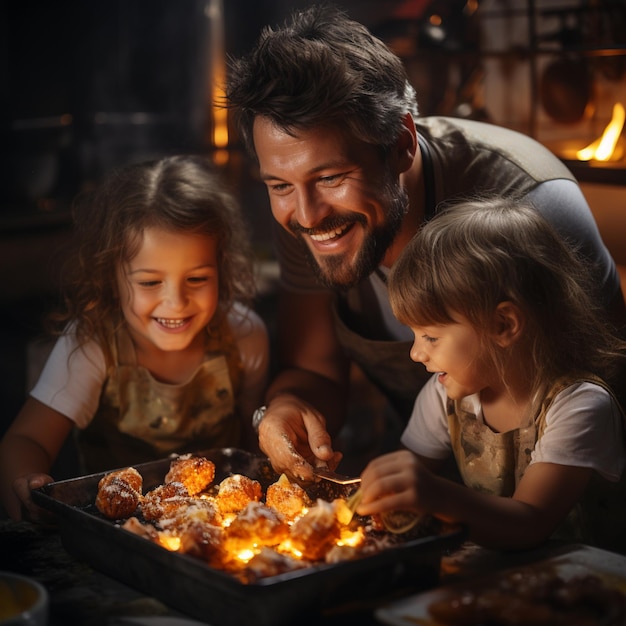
[429,179]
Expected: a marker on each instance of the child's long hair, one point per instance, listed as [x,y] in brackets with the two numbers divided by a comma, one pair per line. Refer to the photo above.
[180,194]
[476,254]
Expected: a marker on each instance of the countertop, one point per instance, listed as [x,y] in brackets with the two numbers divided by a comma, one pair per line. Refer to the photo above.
[80,595]
[83,596]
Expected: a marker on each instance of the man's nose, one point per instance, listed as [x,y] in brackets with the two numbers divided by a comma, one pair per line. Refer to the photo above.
[310,208]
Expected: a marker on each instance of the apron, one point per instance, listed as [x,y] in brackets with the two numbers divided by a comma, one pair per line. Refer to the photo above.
[386,363]
[494,463]
[359,328]
[141,419]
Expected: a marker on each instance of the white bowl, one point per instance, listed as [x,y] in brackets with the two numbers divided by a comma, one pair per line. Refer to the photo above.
[23,601]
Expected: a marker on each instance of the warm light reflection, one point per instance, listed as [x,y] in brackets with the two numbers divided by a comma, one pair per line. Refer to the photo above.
[605,147]
[471,6]
[219,114]
[245,555]
[169,542]
[350,538]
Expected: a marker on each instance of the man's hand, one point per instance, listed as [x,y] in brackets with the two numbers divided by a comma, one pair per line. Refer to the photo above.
[294,437]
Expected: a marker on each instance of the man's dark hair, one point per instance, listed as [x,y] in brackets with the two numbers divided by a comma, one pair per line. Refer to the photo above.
[321,68]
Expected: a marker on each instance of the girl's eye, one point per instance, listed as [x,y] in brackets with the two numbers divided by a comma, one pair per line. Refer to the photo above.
[148,283]
[429,339]
[198,279]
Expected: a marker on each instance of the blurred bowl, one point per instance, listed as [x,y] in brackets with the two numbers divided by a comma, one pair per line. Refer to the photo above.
[23,601]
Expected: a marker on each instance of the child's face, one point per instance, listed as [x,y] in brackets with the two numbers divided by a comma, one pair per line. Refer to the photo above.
[169,290]
[455,352]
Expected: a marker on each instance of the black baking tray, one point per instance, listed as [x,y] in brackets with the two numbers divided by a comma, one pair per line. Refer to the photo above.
[211,595]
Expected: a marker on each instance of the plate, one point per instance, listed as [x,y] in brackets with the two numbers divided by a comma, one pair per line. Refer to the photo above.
[576,562]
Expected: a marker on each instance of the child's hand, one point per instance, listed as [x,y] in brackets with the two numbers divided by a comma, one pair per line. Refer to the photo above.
[394,482]
[21,506]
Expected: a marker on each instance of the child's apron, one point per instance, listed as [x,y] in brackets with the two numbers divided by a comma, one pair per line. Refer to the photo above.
[142,419]
[495,463]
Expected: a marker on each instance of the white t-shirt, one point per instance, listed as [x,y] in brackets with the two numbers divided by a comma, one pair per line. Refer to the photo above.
[583,428]
[72,380]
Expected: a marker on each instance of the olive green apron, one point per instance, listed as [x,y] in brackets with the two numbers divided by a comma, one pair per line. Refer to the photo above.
[141,419]
[385,362]
[495,463]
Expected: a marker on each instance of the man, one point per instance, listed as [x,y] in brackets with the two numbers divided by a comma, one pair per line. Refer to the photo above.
[351,172]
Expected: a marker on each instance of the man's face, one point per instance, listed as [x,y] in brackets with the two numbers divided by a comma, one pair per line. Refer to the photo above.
[335,195]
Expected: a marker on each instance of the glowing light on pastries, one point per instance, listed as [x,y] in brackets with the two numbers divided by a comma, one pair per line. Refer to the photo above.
[289,499]
[268,562]
[257,525]
[195,472]
[236,492]
[316,532]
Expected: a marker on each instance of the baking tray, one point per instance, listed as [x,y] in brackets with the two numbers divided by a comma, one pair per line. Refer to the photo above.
[192,587]
[569,562]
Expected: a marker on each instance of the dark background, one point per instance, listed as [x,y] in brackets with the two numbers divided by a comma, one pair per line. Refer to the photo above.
[88,85]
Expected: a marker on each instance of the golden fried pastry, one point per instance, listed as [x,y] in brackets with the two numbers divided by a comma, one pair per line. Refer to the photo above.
[268,562]
[195,472]
[119,493]
[235,492]
[192,511]
[256,525]
[133,525]
[203,540]
[289,499]
[316,532]
[163,501]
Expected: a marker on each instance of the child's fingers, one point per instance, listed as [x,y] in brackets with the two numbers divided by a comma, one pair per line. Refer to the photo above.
[23,486]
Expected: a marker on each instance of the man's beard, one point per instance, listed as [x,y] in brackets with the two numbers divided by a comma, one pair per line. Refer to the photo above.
[335,271]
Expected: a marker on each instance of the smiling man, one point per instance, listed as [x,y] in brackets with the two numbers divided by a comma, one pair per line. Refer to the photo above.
[352,171]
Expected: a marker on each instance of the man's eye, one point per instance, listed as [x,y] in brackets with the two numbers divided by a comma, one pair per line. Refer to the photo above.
[279,188]
[332,179]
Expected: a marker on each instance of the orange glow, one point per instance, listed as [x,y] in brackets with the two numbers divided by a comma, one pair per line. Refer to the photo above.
[169,542]
[219,115]
[351,538]
[471,6]
[245,555]
[605,148]
[286,547]
[220,120]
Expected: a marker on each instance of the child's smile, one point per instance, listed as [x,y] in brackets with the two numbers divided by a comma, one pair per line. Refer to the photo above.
[172,324]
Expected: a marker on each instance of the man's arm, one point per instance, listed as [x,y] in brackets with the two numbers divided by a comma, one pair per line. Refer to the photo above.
[307,399]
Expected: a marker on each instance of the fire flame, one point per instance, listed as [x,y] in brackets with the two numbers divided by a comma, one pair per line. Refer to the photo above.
[604,148]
